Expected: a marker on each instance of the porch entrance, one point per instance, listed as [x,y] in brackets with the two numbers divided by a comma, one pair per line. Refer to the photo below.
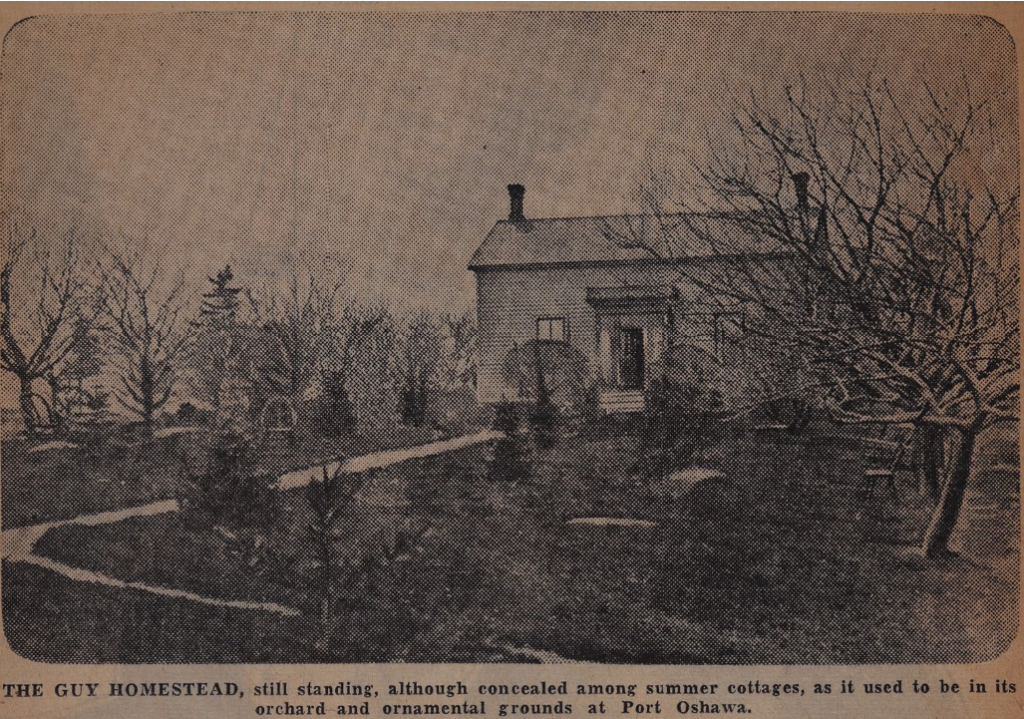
[631,360]
[630,335]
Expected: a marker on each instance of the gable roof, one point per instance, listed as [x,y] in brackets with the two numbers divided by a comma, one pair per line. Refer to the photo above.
[615,239]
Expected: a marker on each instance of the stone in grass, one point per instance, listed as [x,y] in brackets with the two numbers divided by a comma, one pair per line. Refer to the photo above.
[685,481]
[611,522]
[56,444]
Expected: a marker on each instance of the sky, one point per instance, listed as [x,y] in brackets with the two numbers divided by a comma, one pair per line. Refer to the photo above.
[377,145]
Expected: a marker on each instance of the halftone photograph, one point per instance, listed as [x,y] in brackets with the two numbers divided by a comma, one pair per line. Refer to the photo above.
[509,335]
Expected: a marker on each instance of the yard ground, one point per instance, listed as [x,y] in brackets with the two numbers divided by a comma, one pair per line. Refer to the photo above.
[64,483]
[779,563]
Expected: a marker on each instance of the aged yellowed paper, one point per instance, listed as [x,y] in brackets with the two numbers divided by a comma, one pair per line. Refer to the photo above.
[510,360]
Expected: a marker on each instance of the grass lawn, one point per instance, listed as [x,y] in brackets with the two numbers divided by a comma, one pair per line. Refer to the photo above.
[64,483]
[778,563]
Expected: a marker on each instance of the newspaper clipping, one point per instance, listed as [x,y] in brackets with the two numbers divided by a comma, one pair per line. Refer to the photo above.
[525,361]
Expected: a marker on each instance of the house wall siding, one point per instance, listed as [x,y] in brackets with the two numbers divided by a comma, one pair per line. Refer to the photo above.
[509,301]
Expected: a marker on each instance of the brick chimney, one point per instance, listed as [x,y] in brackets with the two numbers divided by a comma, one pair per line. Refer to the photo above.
[515,199]
[800,182]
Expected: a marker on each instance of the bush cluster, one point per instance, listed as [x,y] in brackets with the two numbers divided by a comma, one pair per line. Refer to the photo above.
[227,489]
[680,423]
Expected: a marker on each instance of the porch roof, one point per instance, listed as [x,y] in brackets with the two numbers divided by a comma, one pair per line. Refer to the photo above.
[639,297]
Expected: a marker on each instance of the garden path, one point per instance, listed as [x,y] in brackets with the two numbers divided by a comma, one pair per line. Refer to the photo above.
[377,460]
[17,544]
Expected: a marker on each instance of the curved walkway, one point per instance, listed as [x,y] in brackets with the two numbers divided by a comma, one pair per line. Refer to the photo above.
[85,575]
[377,460]
[18,544]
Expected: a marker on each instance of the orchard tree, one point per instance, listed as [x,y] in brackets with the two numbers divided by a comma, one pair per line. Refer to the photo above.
[419,358]
[880,269]
[357,359]
[44,314]
[460,350]
[291,331]
[145,324]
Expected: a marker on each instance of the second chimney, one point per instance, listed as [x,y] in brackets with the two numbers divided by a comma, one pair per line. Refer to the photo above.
[515,198]
[800,182]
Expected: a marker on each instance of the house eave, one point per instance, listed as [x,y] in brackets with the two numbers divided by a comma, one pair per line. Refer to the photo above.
[636,262]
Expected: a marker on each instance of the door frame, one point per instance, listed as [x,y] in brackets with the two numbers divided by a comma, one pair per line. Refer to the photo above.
[640,338]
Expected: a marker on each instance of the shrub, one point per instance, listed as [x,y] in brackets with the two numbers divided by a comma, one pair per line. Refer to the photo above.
[680,423]
[543,419]
[227,490]
[98,401]
[336,416]
[510,461]
[506,418]
[565,369]
[590,408]
[413,401]
[187,413]
[349,576]
[543,416]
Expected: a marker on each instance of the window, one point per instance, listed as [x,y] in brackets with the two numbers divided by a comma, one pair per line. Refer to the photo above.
[551,329]
[710,331]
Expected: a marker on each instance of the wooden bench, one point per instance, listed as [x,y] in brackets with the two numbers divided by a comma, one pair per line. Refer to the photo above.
[621,401]
[887,454]
[278,421]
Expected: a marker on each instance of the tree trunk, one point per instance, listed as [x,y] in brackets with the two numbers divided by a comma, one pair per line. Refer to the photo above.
[322,643]
[147,392]
[147,419]
[27,404]
[930,460]
[944,518]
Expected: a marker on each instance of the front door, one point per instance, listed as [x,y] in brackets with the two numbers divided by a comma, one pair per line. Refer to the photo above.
[631,363]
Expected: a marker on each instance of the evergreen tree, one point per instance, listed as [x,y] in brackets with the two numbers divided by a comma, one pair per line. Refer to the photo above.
[216,361]
[220,304]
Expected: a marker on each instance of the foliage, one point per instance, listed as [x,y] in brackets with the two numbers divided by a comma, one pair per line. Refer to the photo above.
[357,366]
[413,401]
[565,370]
[187,413]
[680,423]
[511,460]
[543,418]
[543,414]
[344,574]
[420,354]
[459,351]
[218,358]
[506,418]
[220,305]
[227,489]
[336,413]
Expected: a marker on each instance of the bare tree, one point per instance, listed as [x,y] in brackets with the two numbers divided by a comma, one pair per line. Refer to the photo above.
[419,358]
[147,331]
[885,282]
[291,329]
[459,361]
[358,352]
[42,322]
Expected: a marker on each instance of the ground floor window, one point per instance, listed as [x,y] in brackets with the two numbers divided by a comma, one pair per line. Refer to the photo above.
[551,329]
[708,331]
